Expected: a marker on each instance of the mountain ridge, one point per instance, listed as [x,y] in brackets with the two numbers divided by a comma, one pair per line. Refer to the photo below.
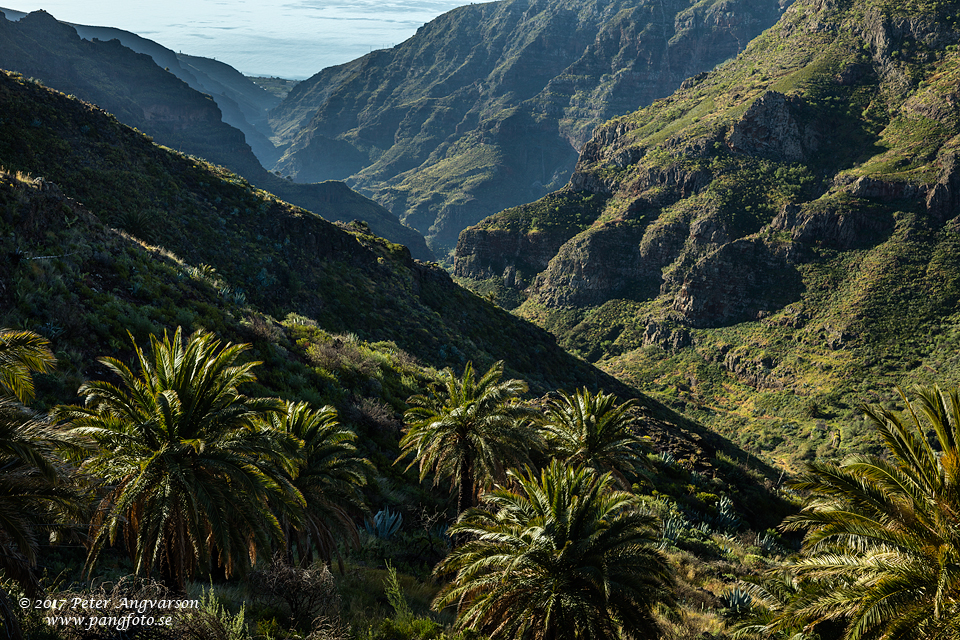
[226,256]
[777,240]
[242,103]
[484,108]
[145,96]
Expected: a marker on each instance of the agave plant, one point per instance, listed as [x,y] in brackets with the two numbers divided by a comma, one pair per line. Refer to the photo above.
[738,601]
[384,524]
[726,518]
[768,544]
[671,530]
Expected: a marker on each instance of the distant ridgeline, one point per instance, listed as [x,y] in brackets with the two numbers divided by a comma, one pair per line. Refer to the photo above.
[772,244]
[487,105]
[175,109]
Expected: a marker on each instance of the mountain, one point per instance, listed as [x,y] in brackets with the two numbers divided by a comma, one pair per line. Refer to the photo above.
[122,235]
[488,104]
[773,244]
[143,95]
[129,85]
[242,103]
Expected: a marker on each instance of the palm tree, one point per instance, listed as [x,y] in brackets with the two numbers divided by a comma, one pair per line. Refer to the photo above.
[470,429]
[22,353]
[883,533]
[189,466]
[328,473]
[770,596]
[594,431]
[563,557]
[38,497]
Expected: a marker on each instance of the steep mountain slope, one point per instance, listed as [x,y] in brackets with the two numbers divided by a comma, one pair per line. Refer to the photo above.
[143,95]
[129,85]
[772,244]
[199,247]
[243,104]
[487,105]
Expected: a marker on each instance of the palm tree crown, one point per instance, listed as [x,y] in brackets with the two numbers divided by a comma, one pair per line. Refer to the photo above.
[34,483]
[22,353]
[470,429]
[594,431]
[189,464]
[883,533]
[328,473]
[564,557]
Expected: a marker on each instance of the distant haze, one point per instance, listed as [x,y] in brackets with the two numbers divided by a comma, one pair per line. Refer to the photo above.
[290,39]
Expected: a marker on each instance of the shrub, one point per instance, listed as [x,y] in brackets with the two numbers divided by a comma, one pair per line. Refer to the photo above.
[211,621]
[310,594]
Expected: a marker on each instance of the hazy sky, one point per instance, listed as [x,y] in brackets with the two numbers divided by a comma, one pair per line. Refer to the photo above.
[292,39]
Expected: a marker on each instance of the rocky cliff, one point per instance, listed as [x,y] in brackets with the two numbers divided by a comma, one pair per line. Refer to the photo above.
[487,105]
[779,234]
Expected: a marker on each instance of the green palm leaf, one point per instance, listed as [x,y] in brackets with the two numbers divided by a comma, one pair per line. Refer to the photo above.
[190,468]
[329,473]
[471,430]
[563,556]
[594,431]
[882,544]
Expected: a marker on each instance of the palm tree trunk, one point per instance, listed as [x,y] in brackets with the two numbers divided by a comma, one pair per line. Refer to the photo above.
[550,633]
[465,498]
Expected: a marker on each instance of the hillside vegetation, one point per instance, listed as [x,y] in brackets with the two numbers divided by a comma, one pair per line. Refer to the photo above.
[488,104]
[771,245]
[258,251]
[121,240]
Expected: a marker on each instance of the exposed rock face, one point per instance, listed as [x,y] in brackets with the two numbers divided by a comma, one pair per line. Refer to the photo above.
[834,226]
[666,337]
[801,210]
[867,187]
[943,198]
[483,254]
[596,266]
[486,107]
[743,280]
[694,224]
[770,129]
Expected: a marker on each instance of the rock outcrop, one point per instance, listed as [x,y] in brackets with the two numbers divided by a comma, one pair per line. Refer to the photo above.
[721,196]
[746,279]
[483,254]
[771,129]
